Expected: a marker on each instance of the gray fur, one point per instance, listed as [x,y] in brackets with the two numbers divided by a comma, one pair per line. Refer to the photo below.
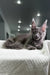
[33,40]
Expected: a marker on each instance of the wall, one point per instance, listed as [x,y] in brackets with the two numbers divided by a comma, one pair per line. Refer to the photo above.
[7,30]
[48,33]
[2,33]
[4,27]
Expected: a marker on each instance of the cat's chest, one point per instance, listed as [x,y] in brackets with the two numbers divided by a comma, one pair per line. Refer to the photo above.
[34,43]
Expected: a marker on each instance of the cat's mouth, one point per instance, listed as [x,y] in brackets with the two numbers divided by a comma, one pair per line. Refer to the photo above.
[38,38]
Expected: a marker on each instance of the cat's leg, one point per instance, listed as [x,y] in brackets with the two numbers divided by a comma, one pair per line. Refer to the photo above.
[10,44]
[30,47]
[17,45]
[40,46]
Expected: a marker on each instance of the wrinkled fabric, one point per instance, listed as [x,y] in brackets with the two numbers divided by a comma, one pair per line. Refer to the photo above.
[24,62]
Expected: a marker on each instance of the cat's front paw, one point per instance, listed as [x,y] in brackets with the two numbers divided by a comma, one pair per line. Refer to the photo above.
[31,47]
[40,46]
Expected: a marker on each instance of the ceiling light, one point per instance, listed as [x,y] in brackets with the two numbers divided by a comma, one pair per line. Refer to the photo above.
[18,26]
[19,2]
[28,29]
[18,29]
[30,25]
[19,21]
[38,14]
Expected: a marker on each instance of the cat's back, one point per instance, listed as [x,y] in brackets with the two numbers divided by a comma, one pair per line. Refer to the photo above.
[22,36]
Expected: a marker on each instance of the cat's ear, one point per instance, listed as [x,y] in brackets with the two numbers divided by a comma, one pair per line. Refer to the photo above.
[44,26]
[33,24]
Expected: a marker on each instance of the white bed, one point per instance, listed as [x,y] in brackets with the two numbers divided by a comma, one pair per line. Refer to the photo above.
[24,62]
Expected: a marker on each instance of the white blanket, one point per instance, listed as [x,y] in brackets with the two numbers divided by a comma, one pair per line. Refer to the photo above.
[24,62]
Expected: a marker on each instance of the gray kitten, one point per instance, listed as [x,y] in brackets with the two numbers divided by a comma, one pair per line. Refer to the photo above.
[33,40]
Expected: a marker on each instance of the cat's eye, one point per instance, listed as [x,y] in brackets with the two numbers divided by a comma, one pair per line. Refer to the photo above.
[34,32]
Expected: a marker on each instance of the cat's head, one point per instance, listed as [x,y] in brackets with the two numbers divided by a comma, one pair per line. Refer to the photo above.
[38,33]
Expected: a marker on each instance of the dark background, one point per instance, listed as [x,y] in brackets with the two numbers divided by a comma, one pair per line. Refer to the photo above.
[11,12]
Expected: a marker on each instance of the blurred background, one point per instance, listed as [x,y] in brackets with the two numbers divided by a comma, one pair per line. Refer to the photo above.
[16,16]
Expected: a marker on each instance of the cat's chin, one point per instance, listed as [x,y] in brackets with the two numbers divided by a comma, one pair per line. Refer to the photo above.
[37,39]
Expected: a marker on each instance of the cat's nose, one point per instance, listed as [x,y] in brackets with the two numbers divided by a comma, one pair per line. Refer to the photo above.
[37,36]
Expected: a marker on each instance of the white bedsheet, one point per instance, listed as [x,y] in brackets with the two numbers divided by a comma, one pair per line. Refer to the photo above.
[24,62]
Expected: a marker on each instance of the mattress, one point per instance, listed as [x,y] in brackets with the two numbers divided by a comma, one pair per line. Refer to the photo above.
[24,62]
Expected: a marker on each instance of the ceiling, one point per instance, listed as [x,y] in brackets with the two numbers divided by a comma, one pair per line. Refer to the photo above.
[25,12]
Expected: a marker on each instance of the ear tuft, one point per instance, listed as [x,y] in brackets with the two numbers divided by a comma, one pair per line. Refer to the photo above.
[44,26]
[33,20]
[46,21]
[33,24]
